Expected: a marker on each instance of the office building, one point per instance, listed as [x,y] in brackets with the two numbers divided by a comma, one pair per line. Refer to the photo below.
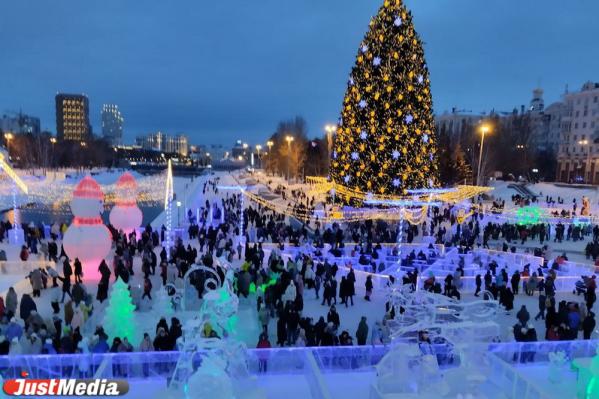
[19,123]
[72,117]
[112,124]
[159,141]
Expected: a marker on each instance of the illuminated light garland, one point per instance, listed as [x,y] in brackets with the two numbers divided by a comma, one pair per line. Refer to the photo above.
[168,206]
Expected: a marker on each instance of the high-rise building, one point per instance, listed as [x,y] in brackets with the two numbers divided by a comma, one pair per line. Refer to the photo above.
[159,141]
[20,123]
[72,117]
[578,156]
[112,124]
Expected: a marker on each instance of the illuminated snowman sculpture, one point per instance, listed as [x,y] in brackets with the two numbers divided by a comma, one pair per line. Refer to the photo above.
[87,238]
[126,215]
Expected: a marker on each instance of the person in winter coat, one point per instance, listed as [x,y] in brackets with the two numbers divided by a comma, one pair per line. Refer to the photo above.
[105,272]
[11,302]
[69,312]
[146,346]
[34,321]
[78,293]
[48,347]
[13,330]
[281,331]
[147,288]
[508,299]
[333,316]
[369,287]
[77,320]
[351,281]
[162,341]
[24,255]
[264,318]
[27,305]
[523,316]
[78,271]
[290,293]
[263,343]
[4,346]
[588,325]
[35,277]
[362,332]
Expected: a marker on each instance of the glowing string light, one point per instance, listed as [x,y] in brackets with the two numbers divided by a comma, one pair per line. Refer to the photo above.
[168,205]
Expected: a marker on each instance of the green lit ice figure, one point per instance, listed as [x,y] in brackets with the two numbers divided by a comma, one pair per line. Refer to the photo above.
[528,215]
[592,391]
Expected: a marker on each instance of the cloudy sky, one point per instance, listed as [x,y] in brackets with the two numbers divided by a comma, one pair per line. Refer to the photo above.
[222,70]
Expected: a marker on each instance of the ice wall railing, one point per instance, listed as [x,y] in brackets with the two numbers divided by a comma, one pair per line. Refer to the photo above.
[279,360]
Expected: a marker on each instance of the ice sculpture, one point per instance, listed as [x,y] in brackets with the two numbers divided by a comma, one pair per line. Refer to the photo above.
[557,366]
[126,215]
[87,238]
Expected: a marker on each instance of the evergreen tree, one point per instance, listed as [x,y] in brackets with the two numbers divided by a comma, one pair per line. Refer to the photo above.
[385,141]
[119,320]
[461,167]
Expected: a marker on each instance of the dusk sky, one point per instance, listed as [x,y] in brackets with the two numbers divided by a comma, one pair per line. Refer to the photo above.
[223,70]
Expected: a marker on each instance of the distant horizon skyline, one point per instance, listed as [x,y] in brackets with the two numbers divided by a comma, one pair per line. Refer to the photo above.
[130,139]
[219,72]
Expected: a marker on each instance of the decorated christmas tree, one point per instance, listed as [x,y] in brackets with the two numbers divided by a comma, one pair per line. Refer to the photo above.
[385,141]
[119,320]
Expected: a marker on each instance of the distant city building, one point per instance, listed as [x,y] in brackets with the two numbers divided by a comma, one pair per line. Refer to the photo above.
[112,124]
[161,142]
[72,117]
[20,123]
[240,151]
[537,104]
[457,122]
[578,156]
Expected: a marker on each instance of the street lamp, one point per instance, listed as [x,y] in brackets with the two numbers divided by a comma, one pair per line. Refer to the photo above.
[484,129]
[330,129]
[8,137]
[289,139]
[587,168]
[179,213]
[53,142]
[258,148]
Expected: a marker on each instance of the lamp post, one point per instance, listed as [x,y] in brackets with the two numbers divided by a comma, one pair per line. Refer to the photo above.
[484,130]
[330,129]
[587,168]
[8,136]
[289,139]
[269,144]
[258,148]
[53,142]
[178,213]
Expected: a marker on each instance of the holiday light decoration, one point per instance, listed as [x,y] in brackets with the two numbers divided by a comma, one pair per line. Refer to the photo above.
[168,206]
[385,141]
[126,215]
[87,238]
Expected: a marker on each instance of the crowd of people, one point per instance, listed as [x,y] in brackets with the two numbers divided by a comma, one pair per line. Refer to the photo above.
[286,281]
